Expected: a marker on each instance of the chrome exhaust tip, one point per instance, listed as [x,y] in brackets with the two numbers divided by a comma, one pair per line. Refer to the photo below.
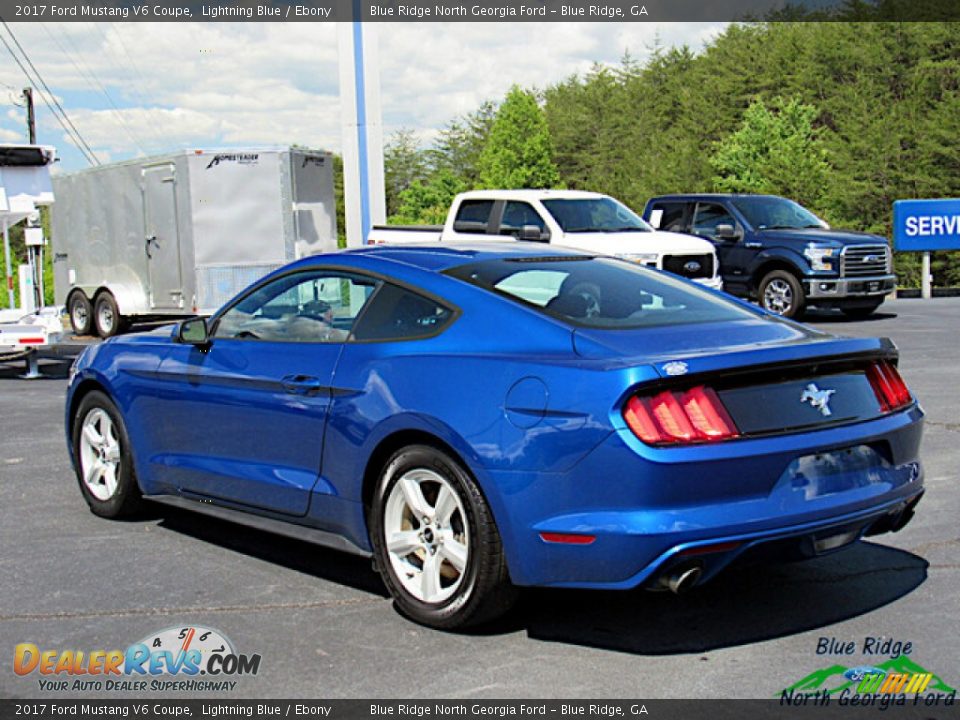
[681,579]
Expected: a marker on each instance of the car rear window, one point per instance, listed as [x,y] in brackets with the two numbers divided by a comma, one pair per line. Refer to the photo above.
[600,292]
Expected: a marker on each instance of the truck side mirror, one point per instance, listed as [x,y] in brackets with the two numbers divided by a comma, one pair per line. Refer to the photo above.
[725,231]
[193,332]
[533,234]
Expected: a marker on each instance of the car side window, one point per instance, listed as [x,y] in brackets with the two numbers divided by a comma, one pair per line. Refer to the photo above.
[708,216]
[473,216]
[672,216]
[315,306]
[399,314]
[516,215]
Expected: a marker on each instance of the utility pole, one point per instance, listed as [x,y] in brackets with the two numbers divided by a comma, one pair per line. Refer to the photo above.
[31,118]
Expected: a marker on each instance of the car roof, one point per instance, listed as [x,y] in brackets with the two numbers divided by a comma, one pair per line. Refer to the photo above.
[532,195]
[709,196]
[437,257]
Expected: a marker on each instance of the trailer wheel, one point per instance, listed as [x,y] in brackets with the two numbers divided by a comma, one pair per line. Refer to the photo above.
[106,316]
[81,313]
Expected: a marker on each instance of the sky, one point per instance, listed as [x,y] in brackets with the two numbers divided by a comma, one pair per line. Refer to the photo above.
[143,89]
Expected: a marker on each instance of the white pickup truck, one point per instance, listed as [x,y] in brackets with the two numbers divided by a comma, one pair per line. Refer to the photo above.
[584,220]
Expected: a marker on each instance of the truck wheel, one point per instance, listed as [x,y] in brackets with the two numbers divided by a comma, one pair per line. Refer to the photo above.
[81,313]
[781,293]
[860,312]
[106,316]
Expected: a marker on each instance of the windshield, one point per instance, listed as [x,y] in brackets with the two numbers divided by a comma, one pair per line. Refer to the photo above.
[768,213]
[600,292]
[595,215]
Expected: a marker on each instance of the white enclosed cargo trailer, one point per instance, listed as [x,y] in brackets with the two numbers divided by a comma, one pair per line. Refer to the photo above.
[181,234]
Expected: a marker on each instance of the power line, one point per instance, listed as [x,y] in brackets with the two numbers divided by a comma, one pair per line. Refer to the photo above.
[130,69]
[89,74]
[75,134]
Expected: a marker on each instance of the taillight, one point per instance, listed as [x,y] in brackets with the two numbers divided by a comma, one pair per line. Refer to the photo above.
[889,387]
[682,417]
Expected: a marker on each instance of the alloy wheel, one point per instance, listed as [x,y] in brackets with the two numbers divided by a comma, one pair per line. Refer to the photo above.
[99,454]
[426,535]
[778,296]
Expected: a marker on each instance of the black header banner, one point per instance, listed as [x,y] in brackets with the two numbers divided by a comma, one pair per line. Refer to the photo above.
[478,10]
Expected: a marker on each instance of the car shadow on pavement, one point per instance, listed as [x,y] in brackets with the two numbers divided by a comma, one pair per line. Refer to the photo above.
[814,317]
[741,606]
[320,562]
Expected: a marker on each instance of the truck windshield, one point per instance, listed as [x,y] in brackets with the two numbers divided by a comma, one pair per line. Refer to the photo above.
[605,214]
[765,212]
[600,292]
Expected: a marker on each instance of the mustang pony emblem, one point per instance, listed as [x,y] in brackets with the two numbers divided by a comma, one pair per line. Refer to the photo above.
[819,399]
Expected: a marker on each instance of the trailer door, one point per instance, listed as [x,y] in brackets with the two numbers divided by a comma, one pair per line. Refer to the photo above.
[162,236]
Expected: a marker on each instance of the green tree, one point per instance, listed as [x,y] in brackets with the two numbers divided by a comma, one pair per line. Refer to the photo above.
[518,151]
[460,144]
[775,151]
[404,162]
[427,202]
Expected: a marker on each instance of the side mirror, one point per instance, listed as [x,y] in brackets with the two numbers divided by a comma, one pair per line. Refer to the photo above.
[725,231]
[193,332]
[533,233]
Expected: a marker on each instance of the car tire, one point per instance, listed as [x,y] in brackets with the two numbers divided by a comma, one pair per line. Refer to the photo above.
[782,294]
[861,312]
[106,316]
[81,314]
[444,563]
[102,458]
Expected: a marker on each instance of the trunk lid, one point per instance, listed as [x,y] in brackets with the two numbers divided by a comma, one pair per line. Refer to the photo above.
[771,376]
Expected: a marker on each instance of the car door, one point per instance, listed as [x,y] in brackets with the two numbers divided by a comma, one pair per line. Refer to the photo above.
[733,254]
[518,215]
[243,419]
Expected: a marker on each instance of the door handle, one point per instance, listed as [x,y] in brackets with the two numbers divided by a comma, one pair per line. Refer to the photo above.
[150,239]
[302,384]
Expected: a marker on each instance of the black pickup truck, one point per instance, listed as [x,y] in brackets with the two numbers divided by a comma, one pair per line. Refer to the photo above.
[775,251]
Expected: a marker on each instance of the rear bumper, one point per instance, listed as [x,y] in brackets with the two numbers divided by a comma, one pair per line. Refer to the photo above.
[712,554]
[650,514]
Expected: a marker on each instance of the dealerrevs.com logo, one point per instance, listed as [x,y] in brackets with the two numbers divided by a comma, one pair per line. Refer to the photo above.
[175,659]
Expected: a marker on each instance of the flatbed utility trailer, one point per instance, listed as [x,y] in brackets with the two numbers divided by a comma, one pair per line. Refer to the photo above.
[180,234]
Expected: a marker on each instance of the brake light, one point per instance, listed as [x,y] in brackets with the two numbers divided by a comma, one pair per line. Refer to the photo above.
[31,341]
[889,387]
[672,418]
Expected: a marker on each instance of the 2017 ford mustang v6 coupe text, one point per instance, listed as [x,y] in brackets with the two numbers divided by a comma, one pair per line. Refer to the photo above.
[483,417]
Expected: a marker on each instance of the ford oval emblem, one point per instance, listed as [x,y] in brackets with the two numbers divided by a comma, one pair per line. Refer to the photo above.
[675,367]
[871,258]
[692,266]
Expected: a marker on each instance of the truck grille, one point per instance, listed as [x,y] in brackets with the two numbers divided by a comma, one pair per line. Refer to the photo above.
[862,260]
[689,266]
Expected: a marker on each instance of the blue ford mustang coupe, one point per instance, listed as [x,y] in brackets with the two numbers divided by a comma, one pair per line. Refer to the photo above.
[483,417]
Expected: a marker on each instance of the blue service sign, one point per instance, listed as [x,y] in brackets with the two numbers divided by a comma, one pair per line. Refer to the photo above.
[922,225]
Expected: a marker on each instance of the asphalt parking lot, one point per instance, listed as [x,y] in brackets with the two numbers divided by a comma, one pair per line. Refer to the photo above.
[325,629]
